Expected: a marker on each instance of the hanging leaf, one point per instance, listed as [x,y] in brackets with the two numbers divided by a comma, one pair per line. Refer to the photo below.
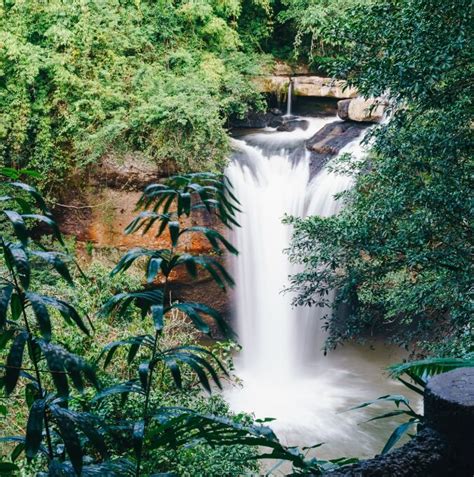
[53,258]
[123,389]
[67,311]
[174,232]
[137,437]
[397,434]
[42,315]
[16,306]
[153,269]
[143,373]
[16,258]
[48,221]
[62,363]
[67,430]
[143,299]
[216,239]
[19,225]
[157,312]
[15,361]
[5,295]
[134,342]
[34,428]
[34,193]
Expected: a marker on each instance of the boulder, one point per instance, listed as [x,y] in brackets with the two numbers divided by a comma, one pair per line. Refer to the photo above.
[329,140]
[292,124]
[256,119]
[361,110]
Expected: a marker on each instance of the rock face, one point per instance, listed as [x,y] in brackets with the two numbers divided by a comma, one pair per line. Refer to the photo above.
[99,214]
[284,69]
[314,86]
[329,140]
[361,110]
[322,87]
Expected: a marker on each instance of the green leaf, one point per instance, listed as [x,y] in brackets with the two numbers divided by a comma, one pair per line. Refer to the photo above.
[53,258]
[396,398]
[174,232]
[153,269]
[397,434]
[124,388]
[48,221]
[16,257]
[137,437]
[7,468]
[60,362]
[34,428]
[157,312]
[19,226]
[143,372]
[42,315]
[67,311]
[429,367]
[67,429]
[15,361]
[5,295]
[34,193]
[216,239]
[134,342]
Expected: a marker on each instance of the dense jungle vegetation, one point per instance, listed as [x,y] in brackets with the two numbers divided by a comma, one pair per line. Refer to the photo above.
[404,240]
[100,370]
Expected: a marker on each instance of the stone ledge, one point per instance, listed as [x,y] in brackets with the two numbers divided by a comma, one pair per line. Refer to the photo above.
[313,86]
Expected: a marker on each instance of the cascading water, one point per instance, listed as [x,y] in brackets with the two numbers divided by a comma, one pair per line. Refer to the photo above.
[289,98]
[284,372]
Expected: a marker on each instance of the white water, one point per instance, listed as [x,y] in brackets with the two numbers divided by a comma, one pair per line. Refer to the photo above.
[284,372]
[288,101]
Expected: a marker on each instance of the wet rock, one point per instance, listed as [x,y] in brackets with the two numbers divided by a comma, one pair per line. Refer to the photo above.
[292,124]
[329,140]
[255,119]
[361,110]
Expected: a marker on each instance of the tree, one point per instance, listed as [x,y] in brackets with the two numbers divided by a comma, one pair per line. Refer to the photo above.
[398,254]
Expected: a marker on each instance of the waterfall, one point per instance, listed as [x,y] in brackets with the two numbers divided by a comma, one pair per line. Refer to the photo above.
[270,175]
[283,372]
[289,98]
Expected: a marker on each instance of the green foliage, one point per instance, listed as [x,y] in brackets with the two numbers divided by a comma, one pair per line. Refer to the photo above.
[80,79]
[316,23]
[83,421]
[398,254]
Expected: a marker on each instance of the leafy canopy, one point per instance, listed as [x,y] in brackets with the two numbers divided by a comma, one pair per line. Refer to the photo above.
[399,253]
[79,79]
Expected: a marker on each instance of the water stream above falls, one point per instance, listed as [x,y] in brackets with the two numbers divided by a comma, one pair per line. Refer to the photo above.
[284,372]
